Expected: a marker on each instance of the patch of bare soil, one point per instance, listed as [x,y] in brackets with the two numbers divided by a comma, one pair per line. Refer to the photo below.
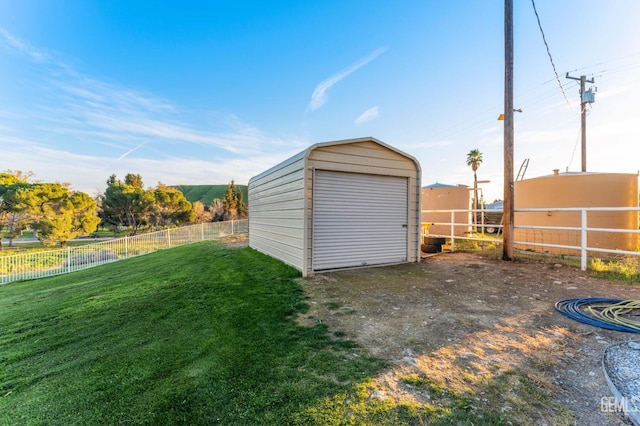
[464,324]
[235,240]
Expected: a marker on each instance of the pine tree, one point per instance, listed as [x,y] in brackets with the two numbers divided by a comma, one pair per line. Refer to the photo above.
[233,204]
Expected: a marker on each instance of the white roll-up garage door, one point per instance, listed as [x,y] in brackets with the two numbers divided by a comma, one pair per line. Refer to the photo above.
[358,220]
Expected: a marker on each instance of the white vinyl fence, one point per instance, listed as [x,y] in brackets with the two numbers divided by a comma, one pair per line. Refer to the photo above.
[584,234]
[42,264]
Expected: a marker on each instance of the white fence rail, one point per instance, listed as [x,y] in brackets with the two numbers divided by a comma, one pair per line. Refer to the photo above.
[542,235]
[42,264]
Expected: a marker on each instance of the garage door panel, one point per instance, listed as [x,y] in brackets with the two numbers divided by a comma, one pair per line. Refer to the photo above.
[358,220]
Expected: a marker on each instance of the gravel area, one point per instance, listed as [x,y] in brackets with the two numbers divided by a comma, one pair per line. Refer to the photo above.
[621,365]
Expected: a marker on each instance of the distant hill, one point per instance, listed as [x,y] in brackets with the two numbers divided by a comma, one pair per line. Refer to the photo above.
[206,193]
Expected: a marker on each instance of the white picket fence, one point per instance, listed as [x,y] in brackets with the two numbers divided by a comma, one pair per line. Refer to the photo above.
[42,264]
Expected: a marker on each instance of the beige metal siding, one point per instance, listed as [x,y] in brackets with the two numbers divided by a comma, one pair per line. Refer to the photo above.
[362,157]
[358,220]
[276,213]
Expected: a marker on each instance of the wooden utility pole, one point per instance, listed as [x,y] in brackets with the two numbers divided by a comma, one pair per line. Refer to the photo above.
[583,117]
[507,230]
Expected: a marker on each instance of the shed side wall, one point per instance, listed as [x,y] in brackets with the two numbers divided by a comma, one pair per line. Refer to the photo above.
[276,213]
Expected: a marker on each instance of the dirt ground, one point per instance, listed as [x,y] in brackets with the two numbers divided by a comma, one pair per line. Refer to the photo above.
[477,326]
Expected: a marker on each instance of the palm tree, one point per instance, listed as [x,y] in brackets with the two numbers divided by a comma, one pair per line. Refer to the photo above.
[474,159]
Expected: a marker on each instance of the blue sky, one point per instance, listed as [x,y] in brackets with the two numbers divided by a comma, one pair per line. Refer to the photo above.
[203,92]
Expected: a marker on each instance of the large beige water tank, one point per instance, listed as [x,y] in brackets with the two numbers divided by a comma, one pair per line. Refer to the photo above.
[440,196]
[577,190]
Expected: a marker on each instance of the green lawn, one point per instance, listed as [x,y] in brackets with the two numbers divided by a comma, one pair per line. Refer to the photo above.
[199,334]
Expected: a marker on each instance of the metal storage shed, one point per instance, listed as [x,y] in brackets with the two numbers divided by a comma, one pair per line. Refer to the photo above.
[340,204]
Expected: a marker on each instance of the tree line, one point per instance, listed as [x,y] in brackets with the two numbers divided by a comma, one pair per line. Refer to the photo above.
[57,214]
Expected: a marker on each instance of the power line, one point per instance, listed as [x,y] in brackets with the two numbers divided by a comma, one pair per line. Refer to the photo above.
[631,55]
[530,99]
[549,53]
[478,119]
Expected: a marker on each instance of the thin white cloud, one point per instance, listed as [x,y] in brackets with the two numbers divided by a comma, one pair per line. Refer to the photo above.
[426,145]
[320,97]
[100,112]
[105,109]
[135,148]
[23,46]
[96,125]
[90,172]
[368,115]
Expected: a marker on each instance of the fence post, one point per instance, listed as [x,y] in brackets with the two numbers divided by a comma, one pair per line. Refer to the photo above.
[202,231]
[126,247]
[69,268]
[453,232]
[168,238]
[583,240]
